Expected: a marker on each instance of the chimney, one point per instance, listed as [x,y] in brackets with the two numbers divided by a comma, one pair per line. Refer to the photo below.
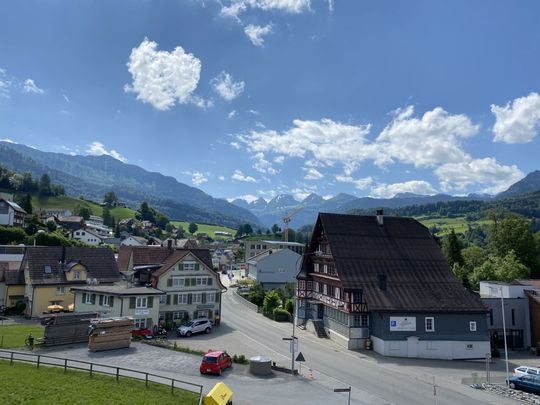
[63,258]
[169,243]
[380,217]
[382,282]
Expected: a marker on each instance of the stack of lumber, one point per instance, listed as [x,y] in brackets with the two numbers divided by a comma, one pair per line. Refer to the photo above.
[66,328]
[110,333]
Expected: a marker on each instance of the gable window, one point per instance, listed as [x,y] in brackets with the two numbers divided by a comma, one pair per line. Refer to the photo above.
[430,324]
[472,326]
[141,302]
[190,266]
[76,275]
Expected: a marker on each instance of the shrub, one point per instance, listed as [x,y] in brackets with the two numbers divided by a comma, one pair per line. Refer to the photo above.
[289,306]
[271,301]
[240,359]
[281,315]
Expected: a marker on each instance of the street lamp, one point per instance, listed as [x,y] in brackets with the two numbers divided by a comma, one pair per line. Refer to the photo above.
[344,390]
[504,331]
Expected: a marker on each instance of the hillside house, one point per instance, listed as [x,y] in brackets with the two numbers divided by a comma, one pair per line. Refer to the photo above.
[11,214]
[11,285]
[51,271]
[134,241]
[386,278]
[86,236]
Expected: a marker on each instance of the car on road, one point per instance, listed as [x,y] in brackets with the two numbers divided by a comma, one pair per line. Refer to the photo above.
[243,288]
[524,370]
[214,362]
[527,382]
[195,326]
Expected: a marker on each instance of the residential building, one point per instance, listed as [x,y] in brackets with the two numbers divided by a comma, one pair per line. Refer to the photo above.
[86,236]
[101,230]
[11,284]
[134,241]
[11,214]
[254,247]
[274,268]
[140,303]
[385,278]
[71,223]
[51,271]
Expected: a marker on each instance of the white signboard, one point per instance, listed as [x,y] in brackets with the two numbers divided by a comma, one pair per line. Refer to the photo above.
[401,323]
[142,312]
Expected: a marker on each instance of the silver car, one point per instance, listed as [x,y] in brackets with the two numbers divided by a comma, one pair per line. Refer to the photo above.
[195,326]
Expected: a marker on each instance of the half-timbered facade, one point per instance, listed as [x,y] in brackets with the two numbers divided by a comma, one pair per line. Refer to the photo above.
[385,278]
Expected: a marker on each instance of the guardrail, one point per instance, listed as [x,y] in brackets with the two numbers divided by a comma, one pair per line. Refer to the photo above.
[44,360]
[244,301]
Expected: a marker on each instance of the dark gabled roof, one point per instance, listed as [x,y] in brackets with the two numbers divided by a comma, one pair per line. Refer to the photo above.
[142,255]
[14,277]
[418,278]
[178,254]
[99,262]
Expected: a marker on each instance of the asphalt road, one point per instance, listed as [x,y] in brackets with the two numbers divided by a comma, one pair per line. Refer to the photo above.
[374,379]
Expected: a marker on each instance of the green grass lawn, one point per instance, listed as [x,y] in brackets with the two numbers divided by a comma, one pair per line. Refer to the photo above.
[25,384]
[445,225]
[205,228]
[15,335]
[71,203]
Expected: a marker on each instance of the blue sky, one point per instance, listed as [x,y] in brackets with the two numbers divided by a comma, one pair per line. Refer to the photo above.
[260,97]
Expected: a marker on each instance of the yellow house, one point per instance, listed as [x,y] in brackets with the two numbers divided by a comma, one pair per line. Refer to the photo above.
[51,271]
[11,284]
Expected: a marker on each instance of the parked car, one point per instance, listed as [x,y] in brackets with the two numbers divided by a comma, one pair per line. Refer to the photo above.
[524,370]
[142,332]
[527,382]
[214,362]
[195,326]
[243,288]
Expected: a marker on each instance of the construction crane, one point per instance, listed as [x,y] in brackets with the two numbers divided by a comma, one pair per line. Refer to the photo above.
[286,220]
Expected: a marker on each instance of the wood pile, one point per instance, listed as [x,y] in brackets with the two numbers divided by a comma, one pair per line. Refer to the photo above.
[66,328]
[110,333]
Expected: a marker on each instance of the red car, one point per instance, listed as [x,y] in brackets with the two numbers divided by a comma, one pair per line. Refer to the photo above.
[141,332]
[214,362]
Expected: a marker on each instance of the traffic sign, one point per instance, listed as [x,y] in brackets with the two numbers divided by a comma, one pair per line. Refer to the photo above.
[294,346]
[300,357]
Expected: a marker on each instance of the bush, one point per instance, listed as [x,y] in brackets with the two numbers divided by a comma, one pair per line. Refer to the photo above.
[11,235]
[281,315]
[289,306]
[271,301]
[240,359]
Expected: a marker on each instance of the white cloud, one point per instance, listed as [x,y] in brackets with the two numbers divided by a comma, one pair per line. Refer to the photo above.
[414,186]
[239,176]
[325,142]
[299,194]
[224,85]
[312,174]
[255,33]
[279,160]
[198,178]
[30,87]
[254,112]
[262,165]
[7,140]
[5,84]
[66,98]
[518,121]
[428,141]
[485,172]
[246,197]
[231,115]
[163,78]
[97,149]
[236,7]
[360,184]
[235,145]
[222,178]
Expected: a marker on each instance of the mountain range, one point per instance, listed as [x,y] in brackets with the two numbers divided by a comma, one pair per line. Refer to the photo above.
[93,176]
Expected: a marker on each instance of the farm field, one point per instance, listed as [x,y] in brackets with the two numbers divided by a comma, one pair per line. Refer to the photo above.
[14,335]
[50,385]
[71,203]
[205,228]
[445,225]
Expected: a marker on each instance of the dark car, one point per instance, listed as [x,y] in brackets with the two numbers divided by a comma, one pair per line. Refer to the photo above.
[529,383]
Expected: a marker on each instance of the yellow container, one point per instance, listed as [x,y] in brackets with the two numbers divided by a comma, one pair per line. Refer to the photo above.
[219,395]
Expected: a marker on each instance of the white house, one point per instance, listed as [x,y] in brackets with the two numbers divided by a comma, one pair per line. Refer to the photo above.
[86,236]
[134,241]
[11,214]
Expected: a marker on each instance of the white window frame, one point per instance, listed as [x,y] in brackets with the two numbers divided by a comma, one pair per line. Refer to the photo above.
[316,267]
[210,297]
[76,275]
[139,323]
[182,298]
[188,266]
[325,268]
[432,328]
[472,326]
[325,289]
[196,298]
[337,293]
[88,299]
[60,290]
[141,302]
[201,280]
[106,300]
[178,315]
[163,299]
[316,286]
[178,282]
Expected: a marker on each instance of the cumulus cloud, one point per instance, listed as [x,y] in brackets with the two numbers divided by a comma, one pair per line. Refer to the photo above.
[235,145]
[98,149]
[239,176]
[224,85]
[5,84]
[360,184]
[299,193]
[234,8]
[198,178]
[485,172]
[246,197]
[29,86]
[312,174]
[414,186]
[518,121]
[231,115]
[256,33]
[162,78]
[262,165]
[428,141]
[222,178]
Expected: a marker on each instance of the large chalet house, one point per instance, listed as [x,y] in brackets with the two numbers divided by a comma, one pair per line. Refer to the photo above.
[386,279]
[11,214]
[50,272]
[190,287]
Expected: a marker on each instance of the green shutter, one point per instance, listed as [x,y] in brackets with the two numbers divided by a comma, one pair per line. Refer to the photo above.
[93,299]
[132,302]
[111,301]
[169,282]
[100,299]
[193,282]
[196,266]
[84,298]
[204,298]
[210,281]
[150,302]
[189,298]
[168,299]
[175,299]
